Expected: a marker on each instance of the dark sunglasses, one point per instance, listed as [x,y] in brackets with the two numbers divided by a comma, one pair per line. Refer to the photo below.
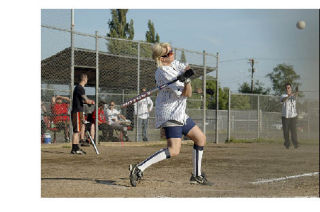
[169,54]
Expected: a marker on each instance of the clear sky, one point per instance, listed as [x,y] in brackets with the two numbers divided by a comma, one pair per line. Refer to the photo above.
[269,36]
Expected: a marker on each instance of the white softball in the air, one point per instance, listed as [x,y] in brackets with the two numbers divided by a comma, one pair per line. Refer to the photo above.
[301,24]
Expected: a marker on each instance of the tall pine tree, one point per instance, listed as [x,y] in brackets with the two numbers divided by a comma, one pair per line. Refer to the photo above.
[151,36]
[119,28]
[183,57]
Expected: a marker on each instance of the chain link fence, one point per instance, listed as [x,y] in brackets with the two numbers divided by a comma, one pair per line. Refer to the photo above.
[118,69]
[259,117]
[55,81]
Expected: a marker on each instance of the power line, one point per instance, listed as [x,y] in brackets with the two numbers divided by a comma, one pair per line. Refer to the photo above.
[264,58]
[261,58]
[230,60]
[310,91]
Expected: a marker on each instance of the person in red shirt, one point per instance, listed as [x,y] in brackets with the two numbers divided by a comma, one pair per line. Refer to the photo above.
[102,122]
[60,117]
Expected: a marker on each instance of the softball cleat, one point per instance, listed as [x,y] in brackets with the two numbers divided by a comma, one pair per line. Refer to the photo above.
[135,174]
[202,180]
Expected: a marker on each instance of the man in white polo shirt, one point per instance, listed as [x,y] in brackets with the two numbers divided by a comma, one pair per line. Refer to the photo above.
[142,112]
[289,116]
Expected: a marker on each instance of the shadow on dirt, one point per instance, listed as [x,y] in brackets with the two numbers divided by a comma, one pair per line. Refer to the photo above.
[53,152]
[104,182]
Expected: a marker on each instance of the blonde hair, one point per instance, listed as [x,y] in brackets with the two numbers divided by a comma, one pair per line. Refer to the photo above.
[158,50]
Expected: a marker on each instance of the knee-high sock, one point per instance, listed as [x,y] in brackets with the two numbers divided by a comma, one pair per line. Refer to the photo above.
[196,159]
[155,158]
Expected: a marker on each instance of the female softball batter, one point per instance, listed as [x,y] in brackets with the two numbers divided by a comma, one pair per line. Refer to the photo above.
[171,116]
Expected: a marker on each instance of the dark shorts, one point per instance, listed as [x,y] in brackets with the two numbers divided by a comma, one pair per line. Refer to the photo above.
[178,131]
[90,118]
[77,120]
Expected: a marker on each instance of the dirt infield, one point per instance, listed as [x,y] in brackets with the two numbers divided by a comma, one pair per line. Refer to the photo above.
[233,168]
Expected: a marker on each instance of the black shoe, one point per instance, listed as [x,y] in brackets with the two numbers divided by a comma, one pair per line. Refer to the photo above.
[202,180]
[78,152]
[145,139]
[135,174]
[85,143]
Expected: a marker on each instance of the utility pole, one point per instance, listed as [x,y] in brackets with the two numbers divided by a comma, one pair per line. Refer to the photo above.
[251,61]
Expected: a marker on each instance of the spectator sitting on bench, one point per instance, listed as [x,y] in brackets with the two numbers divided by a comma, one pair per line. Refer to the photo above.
[102,122]
[60,114]
[113,116]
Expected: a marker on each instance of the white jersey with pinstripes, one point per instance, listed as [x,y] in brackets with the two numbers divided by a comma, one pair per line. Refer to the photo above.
[170,104]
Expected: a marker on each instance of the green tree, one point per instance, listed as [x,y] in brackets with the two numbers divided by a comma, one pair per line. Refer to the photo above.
[270,103]
[211,94]
[257,88]
[119,28]
[211,99]
[151,35]
[243,102]
[146,50]
[240,102]
[282,74]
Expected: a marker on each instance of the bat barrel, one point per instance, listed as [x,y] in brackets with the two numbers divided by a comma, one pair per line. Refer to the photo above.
[146,94]
[136,99]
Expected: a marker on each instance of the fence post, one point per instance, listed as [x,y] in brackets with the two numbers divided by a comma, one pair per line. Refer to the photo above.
[258,111]
[97,91]
[204,101]
[229,114]
[122,95]
[138,90]
[217,99]
[72,71]
[308,109]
